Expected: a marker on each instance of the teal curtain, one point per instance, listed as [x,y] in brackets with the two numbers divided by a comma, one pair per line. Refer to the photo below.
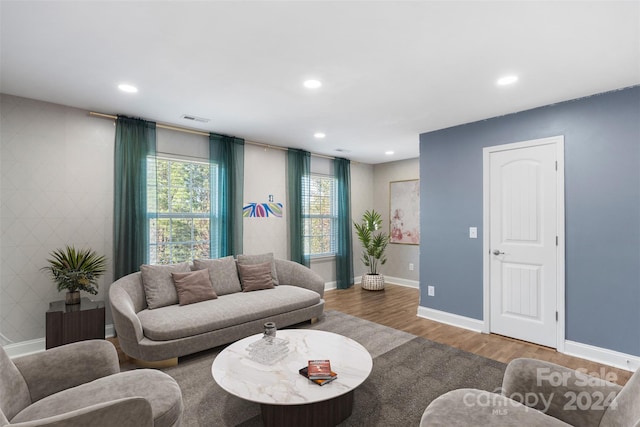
[135,143]
[226,157]
[344,258]
[298,177]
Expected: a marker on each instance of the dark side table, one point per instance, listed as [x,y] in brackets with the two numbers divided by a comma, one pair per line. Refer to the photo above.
[70,323]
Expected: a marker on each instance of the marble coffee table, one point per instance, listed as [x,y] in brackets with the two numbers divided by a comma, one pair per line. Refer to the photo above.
[286,397]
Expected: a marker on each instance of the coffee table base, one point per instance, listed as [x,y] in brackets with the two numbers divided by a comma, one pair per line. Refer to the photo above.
[319,414]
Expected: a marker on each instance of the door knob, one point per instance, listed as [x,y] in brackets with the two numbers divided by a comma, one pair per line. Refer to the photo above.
[497,252]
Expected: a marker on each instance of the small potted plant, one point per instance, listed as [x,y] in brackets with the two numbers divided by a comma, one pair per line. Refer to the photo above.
[374,243]
[76,270]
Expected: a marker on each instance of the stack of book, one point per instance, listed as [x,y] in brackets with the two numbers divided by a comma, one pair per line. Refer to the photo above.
[319,371]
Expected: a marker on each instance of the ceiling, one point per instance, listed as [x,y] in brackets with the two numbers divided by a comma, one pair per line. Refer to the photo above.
[390,70]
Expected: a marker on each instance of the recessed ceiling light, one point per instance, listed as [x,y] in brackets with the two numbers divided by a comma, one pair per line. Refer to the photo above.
[319,135]
[507,80]
[128,88]
[312,84]
[388,153]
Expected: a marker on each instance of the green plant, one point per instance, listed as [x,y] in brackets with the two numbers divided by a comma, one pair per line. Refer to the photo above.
[76,270]
[374,242]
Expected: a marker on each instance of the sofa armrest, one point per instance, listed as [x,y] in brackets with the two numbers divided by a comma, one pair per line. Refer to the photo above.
[292,273]
[67,366]
[124,313]
[128,412]
[566,394]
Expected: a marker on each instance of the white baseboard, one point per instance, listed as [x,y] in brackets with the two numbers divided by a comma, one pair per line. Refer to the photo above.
[24,348]
[394,281]
[37,345]
[402,282]
[602,355]
[387,279]
[451,319]
[330,285]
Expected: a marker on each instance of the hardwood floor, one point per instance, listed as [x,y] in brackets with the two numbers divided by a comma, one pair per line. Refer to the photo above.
[397,307]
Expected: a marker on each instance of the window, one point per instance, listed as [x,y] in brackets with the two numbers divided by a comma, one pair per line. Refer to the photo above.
[179,225]
[320,223]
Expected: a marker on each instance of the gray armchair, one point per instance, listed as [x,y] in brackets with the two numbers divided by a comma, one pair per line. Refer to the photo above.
[552,395]
[80,384]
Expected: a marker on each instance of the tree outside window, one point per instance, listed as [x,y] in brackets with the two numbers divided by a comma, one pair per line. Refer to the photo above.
[179,226]
[320,225]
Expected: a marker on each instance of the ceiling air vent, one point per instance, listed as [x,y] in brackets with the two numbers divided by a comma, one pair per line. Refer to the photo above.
[195,118]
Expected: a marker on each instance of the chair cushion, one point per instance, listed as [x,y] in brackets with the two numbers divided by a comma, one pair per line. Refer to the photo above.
[162,392]
[174,322]
[471,407]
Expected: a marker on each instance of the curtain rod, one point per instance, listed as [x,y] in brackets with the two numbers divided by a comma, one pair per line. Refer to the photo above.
[198,132]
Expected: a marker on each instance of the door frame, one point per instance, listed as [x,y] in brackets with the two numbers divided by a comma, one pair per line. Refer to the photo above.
[558,141]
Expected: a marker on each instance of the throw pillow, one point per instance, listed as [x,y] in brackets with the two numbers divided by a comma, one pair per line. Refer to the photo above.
[259,259]
[222,273]
[158,283]
[193,287]
[255,277]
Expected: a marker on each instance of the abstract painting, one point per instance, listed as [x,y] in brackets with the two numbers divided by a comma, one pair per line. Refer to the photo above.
[404,212]
[262,210]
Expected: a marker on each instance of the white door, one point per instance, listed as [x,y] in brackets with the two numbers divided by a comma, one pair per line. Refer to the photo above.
[524,236]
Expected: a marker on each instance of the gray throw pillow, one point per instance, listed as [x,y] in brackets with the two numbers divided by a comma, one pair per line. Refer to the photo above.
[222,273]
[193,287]
[255,277]
[158,283]
[259,259]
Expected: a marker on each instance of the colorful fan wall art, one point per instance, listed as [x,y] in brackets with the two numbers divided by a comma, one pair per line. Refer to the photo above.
[262,210]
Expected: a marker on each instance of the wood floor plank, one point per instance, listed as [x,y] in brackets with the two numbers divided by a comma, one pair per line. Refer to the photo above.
[397,307]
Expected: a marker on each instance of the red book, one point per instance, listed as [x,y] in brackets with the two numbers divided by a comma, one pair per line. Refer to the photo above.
[304,373]
[319,369]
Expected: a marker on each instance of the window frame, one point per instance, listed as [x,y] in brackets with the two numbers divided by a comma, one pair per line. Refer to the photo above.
[153,244]
[333,217]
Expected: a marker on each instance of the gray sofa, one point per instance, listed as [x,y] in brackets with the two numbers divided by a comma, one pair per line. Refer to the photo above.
[174,330]
[553,396]
[80,384]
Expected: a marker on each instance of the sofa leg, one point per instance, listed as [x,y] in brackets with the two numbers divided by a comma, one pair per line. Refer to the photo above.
[156,364]
[313,320]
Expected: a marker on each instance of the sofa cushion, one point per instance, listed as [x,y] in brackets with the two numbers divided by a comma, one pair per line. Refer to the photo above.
[194,286]
[259,259]
[174,322]
[222,272]
[158,283]
[160,390]
[255,277]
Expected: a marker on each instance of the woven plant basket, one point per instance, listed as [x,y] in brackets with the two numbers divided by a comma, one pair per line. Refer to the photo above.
[373,282]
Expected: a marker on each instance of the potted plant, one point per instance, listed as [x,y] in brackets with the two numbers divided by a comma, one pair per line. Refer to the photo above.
[374,243]
[76,270]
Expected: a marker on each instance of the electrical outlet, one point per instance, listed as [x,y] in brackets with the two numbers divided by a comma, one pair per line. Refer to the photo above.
[410,266]
[431,291]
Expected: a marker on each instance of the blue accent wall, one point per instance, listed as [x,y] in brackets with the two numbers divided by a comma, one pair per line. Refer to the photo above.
[602,213]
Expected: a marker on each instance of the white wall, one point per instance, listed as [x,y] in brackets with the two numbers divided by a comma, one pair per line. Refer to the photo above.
[264,175]
[362,196]
[56,189]
[399,256]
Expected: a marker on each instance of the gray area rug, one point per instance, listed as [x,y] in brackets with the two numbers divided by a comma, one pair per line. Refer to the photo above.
[408,373]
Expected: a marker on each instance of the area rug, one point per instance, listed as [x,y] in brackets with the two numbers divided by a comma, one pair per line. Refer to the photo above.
[408,373]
